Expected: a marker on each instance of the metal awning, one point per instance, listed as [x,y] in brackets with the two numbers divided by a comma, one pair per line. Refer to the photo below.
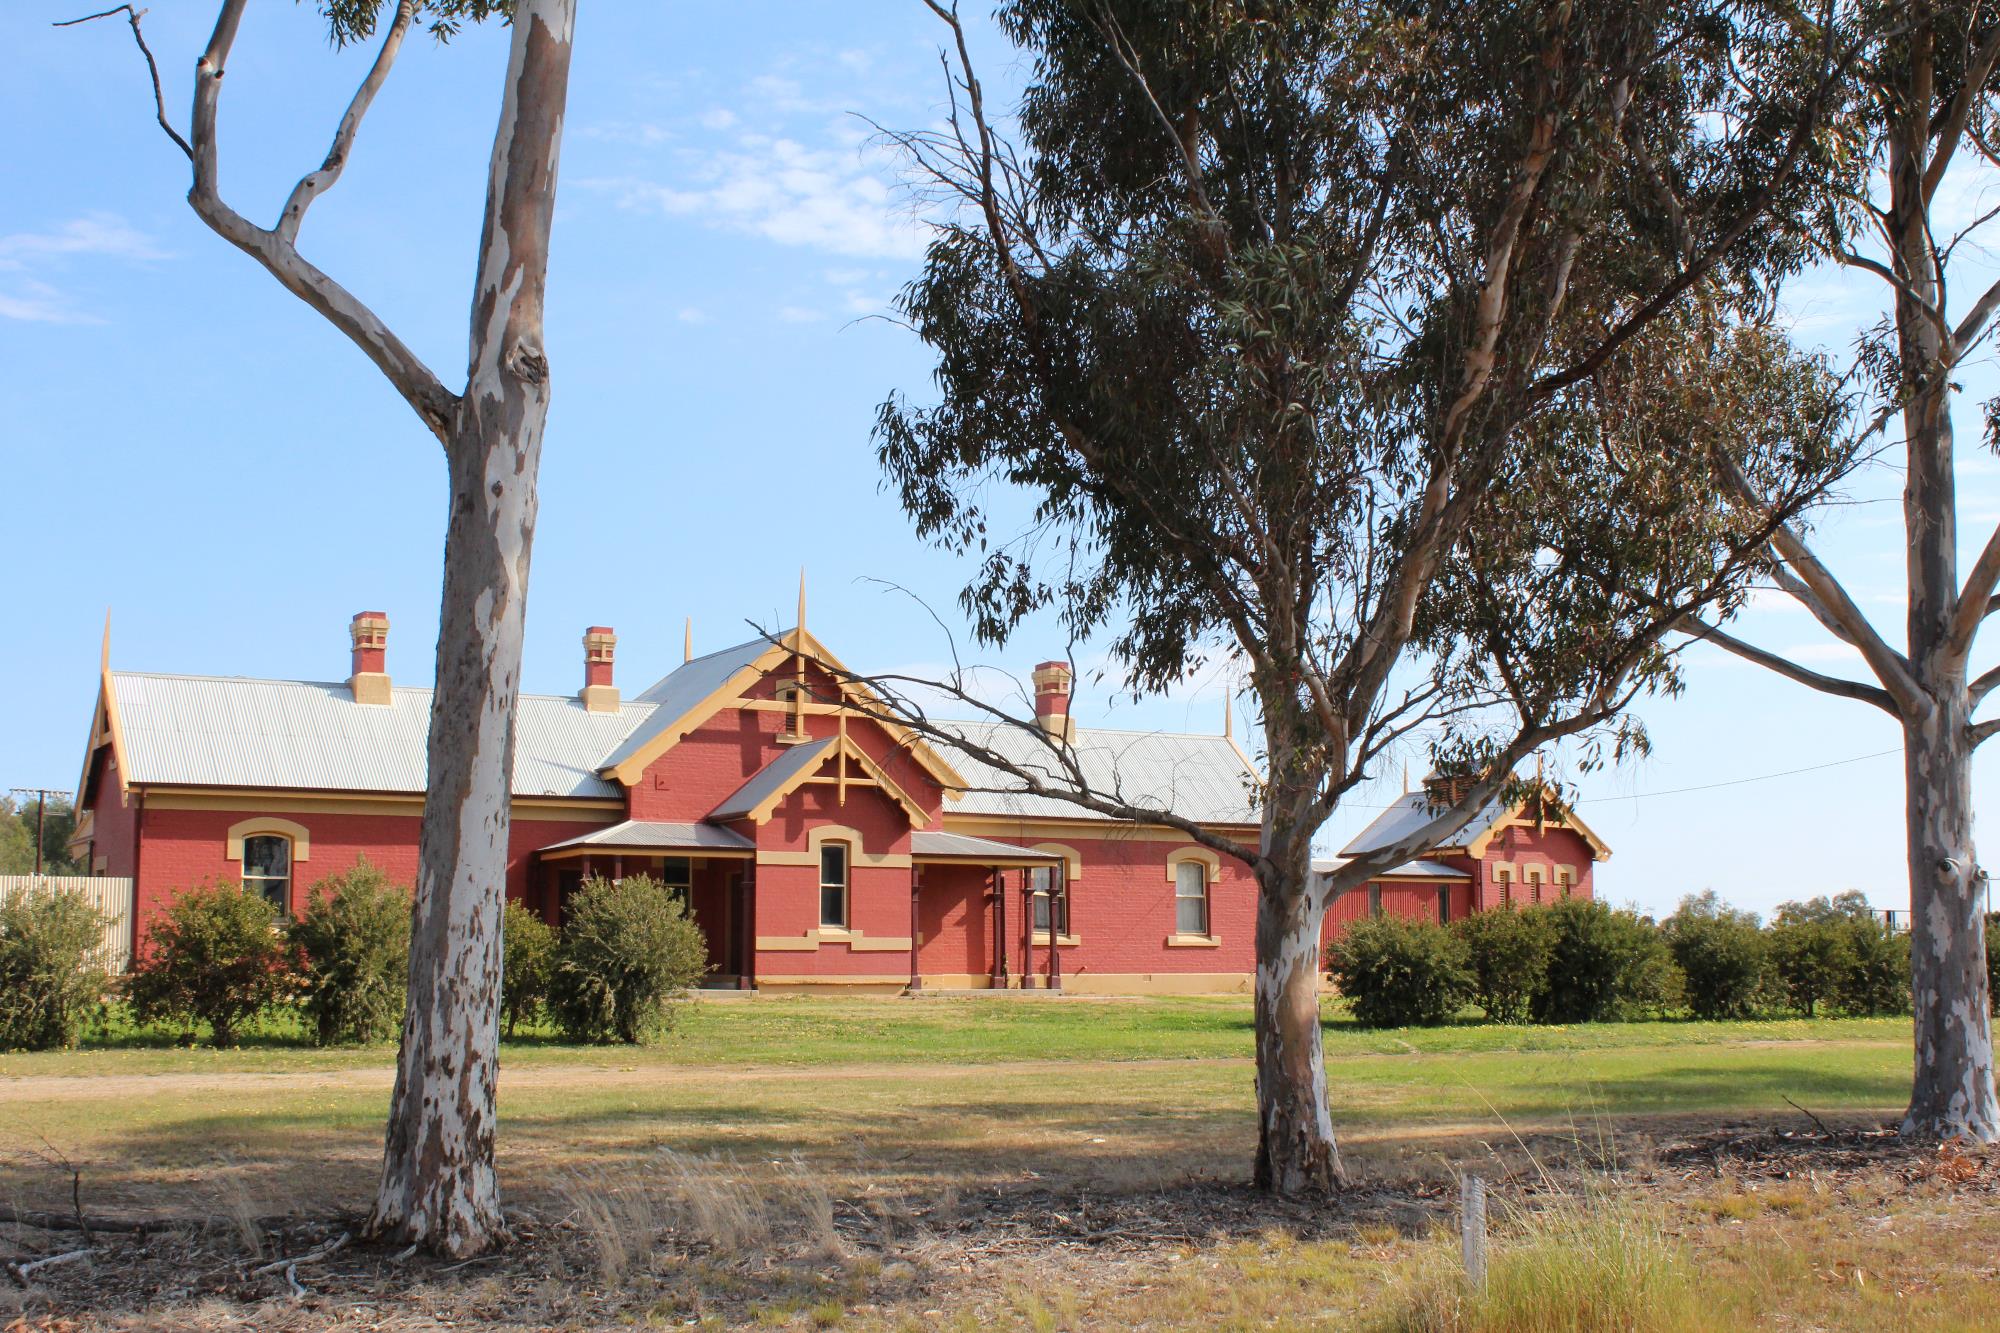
[646,836]
[934,845]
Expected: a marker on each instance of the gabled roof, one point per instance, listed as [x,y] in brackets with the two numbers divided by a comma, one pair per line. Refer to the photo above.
[1412,810]
[757,798]
[701,688]
[773,781]
[229,731]
[1203,778]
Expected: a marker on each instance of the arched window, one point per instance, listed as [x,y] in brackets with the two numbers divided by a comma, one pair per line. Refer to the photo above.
[833,884]
[1190,898]
[267,869]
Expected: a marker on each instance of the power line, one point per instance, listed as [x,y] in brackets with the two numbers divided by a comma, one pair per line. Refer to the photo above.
[1738,782]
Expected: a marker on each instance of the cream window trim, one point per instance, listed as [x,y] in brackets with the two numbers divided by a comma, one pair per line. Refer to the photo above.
[856,940]
[1194,941]
[1072,858]
[1201,854]
[1041,940]
[301,840]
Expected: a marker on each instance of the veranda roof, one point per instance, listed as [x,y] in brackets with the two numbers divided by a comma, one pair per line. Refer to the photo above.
[931,845]
[647,835]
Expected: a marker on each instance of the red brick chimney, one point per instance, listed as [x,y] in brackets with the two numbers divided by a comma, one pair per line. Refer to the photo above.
[369,678]
[1052,681]
[599,695]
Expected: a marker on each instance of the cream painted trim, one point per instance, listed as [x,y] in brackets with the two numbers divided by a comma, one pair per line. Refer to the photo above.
[820,834]
[857,941]
[886,985]
[803,643]
[301,840]
[1072,859]
[843,750]
[565,808]
[1041,940]
[1194,941]
[1109,830]
[371,689]
[1195,853]
[1600,850]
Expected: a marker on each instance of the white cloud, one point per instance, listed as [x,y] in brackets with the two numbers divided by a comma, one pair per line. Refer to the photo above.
[688,314]
[798,314]
[104,234]
[30,299]
[720,118]
[778,188]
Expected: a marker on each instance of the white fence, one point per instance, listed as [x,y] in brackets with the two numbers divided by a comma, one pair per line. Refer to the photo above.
[111,897]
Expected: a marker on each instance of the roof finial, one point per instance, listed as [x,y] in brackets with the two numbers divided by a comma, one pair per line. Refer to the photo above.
[104,653]
[1228,712]
[687,640]
[802,605]
[1406,777]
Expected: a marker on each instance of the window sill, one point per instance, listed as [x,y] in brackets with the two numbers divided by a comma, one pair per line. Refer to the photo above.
[1041,940]
[1194,941]
[790,738]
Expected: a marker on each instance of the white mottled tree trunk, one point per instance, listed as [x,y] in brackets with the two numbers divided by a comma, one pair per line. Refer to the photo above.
[438,1185]
[1296,1152]
[1952,1092]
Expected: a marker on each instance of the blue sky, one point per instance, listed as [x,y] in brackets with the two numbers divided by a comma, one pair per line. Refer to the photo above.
[185,444]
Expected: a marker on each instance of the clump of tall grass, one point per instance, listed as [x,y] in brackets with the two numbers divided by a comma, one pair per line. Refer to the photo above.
[1574,1264]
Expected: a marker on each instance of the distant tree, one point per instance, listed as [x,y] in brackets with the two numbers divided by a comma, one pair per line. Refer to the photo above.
[1722,954]
[1920,112]
[1366,342]
[18,818]
[1849,905]
[438,1186]
[1809,957]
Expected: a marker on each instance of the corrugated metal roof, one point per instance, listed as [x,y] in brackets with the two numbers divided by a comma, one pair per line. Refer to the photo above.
[1203,778]
[670,697]
[1410,813]
[231,731]
[771,777]
[654,834]
[930,842]
[1418,869]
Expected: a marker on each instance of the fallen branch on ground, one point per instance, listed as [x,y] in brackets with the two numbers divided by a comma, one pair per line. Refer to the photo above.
[333,1246]
[20,1271]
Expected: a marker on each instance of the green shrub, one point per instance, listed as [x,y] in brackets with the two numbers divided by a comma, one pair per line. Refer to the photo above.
[353,942]
[1508,951]
[215,957]
[1993,960]
[1808,960]
[1398,972]
[1606,964]
[1723,957]
[51,978]
[528,963]
[1878,979]
[628,953]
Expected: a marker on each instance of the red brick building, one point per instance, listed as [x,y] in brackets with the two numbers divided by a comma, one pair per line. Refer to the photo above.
[1516,854]
[816,847]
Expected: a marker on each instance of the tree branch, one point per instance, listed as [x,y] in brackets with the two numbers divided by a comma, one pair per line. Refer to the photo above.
[132,17]
[1696,628]
[425,393]
[318,182]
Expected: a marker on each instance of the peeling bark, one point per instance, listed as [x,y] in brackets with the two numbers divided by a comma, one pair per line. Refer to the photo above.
[438,1186]
[1952,1091]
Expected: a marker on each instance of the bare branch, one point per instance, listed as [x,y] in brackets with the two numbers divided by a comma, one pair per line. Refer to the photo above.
[132,16]
[318,182]
[1975,599]
[433,403]
[1847,689]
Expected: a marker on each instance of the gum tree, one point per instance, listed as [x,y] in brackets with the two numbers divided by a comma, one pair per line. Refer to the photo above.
[1920,109]
[438,1185]
[1331,335]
